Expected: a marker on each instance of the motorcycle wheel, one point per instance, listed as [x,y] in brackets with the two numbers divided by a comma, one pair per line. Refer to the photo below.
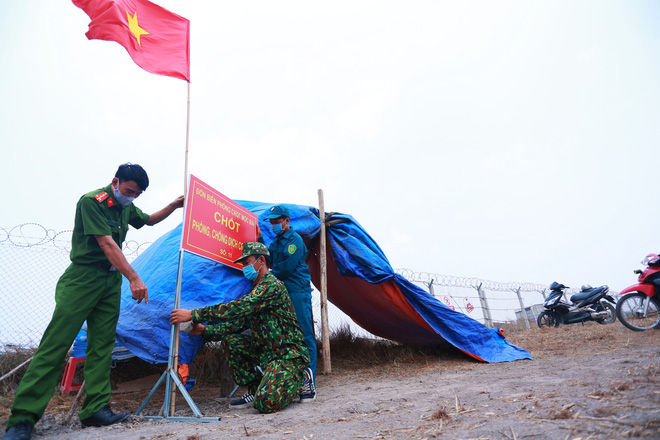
[630,313]
[547,319]
[609,307]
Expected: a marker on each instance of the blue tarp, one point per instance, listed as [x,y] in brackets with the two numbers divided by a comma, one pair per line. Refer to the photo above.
[361,282]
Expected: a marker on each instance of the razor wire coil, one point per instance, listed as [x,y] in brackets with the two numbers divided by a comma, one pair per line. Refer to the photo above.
[456,281]
[33,257]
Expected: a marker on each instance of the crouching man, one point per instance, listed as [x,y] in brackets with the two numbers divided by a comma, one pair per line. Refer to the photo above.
[276,345]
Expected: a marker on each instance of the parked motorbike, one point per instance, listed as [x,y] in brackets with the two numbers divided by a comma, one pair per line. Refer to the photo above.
[639,307]
[590,304]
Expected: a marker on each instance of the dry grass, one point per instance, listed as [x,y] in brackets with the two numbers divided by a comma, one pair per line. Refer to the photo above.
[358,359]
[589,338]
[564,414]
[441,414]
[350,352]
[10,358]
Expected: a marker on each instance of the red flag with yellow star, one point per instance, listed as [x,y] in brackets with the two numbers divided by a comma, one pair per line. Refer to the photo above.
[156,39]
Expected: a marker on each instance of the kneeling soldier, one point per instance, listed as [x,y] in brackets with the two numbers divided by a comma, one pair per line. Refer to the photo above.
[276,345]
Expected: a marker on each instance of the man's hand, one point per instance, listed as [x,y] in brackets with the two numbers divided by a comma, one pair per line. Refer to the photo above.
[161,215]
[198,329]
[193,329]
[178,202]
[139,290]
[180,315]
[258,232]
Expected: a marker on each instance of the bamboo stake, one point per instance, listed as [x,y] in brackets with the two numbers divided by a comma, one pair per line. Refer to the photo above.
[15,369]
[76,402]
[325,332]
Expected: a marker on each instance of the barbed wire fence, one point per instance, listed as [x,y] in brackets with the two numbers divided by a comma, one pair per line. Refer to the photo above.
[33,257]
[489,302]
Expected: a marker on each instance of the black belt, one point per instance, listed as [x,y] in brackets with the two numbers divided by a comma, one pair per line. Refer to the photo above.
[105,265]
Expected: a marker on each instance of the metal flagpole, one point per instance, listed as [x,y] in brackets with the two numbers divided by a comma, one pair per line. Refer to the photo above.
[177,300]
[171,376]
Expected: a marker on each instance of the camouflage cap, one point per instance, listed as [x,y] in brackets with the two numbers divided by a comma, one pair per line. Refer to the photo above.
[277,211]
[253,248]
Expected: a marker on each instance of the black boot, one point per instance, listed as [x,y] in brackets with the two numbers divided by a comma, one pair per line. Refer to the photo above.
[104,417]
[20,431]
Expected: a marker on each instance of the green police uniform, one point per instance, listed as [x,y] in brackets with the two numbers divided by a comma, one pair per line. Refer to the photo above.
[276,343]
[89,289]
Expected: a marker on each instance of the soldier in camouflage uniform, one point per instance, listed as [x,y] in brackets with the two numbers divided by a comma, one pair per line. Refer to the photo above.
[276,344]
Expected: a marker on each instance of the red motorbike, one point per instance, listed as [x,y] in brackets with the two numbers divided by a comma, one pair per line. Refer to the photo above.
[639,307]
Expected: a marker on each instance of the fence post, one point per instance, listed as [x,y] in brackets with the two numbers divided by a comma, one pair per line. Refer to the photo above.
[522,308]
[543,294]
[431,288]
[484,305]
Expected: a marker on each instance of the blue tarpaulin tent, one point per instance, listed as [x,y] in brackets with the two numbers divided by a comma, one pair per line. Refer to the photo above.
[361,283]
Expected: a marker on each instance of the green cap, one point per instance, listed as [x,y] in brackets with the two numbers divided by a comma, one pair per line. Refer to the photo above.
[278,211]
[253,248]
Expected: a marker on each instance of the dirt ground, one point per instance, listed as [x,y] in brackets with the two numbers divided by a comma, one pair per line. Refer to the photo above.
[585,382]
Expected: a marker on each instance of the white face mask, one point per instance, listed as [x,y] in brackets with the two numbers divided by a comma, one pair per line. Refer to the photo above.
[121,199]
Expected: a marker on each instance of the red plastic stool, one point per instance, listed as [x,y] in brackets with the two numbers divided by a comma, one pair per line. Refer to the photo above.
[70,370]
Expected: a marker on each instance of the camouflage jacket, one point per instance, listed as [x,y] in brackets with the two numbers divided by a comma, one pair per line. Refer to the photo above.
[268,311]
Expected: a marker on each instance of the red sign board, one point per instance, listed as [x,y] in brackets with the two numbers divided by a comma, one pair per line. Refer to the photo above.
[215,226]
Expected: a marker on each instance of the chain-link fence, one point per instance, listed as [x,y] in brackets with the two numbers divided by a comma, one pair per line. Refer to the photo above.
[489,302]
[32,258]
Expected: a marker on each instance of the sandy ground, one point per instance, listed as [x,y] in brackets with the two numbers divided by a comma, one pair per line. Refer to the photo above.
[585,382]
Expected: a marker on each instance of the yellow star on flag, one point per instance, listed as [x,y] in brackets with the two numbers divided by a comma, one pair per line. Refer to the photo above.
[134,27]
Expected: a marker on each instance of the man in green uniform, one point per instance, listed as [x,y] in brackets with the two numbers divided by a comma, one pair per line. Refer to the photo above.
[276,344]
[89,289]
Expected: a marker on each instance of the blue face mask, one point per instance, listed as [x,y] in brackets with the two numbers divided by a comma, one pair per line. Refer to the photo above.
[121,199]
[277,228]
[250,273]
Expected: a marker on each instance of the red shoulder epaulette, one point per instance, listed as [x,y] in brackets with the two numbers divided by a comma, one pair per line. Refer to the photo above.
[101,196]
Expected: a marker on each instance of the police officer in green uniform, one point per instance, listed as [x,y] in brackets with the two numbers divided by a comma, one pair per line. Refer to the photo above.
[89,289]
[276,344]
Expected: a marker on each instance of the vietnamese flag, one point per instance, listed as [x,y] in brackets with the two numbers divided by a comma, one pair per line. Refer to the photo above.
[156,39]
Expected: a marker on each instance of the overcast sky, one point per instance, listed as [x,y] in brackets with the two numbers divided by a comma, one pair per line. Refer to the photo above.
[509,141]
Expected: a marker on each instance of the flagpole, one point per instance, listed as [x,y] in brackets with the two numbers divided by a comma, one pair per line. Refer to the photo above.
[185,171]
[171,376]
[185,194]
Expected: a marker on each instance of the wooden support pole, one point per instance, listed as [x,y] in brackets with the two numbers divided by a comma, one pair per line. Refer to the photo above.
[325,331]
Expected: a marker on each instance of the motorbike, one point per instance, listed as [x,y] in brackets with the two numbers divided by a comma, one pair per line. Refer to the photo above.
[590,304]
[639,307]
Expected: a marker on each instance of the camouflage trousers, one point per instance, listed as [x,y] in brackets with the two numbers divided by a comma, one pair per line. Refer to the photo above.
[281,380]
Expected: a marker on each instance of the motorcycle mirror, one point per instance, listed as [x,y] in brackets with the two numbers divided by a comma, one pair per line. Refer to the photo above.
[637,271]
